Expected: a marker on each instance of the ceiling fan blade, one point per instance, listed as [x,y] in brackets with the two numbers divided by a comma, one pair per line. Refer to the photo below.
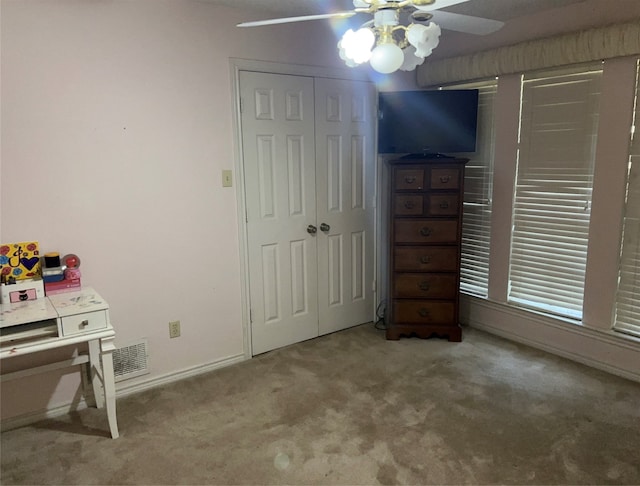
[286,20]
[438,4]
[466,23]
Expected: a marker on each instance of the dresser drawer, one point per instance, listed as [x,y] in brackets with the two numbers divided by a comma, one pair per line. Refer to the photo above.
[443,204]
[408,205]
[425,259]
[425,285]
[426,231]
[409,179]
[90,321]
[424,312]
[445,178]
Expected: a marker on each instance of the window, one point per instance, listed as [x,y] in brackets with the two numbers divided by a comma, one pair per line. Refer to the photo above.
[558,129]
[627,316]
[478,181]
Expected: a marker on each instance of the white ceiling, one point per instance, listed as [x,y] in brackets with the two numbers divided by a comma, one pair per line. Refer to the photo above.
[493,9]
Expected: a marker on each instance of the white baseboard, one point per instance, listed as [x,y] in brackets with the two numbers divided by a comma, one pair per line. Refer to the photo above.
[122,389]
[607,351]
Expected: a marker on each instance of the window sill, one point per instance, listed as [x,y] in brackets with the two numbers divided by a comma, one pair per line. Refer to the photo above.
[564,323]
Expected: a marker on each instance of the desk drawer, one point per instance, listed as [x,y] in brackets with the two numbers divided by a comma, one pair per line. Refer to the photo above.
[424,312]
[443,205]
[409,179]
[426,231]
[79,323]
[425,285]
[445,178]
[425,258]
[409,205]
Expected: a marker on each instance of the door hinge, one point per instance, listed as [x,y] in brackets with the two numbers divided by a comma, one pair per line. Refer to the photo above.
[250,316]
[241,105]
[374,285]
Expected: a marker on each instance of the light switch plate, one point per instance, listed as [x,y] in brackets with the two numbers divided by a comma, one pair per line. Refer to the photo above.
[227,178]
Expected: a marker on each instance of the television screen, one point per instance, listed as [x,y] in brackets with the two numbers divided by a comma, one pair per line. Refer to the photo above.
[428,122]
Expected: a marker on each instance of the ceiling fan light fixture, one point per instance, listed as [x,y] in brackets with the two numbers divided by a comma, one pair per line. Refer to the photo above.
[355,46]
[399,45]
[386,18]
[425,38]
[387,58]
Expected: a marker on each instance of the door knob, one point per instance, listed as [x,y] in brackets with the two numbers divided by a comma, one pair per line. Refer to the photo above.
[312,230]
[325,227]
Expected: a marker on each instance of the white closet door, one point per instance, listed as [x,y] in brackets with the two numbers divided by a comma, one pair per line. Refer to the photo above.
[279,163]
[345,177]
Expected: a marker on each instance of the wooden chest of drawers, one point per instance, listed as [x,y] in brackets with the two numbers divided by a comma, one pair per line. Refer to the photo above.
[425,232]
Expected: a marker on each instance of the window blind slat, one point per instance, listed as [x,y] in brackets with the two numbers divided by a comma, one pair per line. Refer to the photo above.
[559,119]
[478,186]
[627,311]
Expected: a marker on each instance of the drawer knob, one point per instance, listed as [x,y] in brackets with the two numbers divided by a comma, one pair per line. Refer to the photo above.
[444,205]
[409,204]
[445,179]
[424,286]
[423,312]
[84,323]
[410,179]
[425,259]
[425,231]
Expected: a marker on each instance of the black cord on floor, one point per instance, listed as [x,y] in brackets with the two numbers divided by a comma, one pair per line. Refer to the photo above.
[381,310]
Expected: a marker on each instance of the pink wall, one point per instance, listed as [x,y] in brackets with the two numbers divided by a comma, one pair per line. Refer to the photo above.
[117,123]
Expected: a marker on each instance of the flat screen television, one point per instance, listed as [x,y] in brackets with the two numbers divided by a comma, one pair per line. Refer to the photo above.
[428,123]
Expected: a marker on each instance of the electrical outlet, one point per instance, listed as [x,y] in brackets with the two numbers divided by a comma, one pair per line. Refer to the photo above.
[174,329]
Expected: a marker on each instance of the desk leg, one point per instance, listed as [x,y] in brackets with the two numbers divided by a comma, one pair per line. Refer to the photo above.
[85,374]
[108,379]
[96,373]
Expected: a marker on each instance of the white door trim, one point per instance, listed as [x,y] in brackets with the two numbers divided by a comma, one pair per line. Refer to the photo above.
[237,65]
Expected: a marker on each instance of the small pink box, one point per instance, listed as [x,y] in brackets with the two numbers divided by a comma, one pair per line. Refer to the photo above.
[52,288]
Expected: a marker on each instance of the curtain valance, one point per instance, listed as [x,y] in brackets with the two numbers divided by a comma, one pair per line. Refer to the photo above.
[577,47]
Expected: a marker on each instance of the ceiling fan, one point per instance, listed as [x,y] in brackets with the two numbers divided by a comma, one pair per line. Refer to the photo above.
[397,46]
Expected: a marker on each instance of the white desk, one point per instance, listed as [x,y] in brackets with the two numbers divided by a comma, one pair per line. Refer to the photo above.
[63,320]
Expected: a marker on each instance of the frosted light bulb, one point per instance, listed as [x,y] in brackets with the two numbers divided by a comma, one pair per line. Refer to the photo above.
[355,47]
[386,58]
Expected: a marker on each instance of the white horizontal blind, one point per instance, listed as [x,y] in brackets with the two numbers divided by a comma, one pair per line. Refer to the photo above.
[627,316]
[478,185]
[558,128]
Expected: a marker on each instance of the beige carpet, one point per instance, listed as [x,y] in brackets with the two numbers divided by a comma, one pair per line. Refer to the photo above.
[353,408]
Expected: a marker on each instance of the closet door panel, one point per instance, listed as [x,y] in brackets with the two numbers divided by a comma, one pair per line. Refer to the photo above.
[345,177]
[279,162]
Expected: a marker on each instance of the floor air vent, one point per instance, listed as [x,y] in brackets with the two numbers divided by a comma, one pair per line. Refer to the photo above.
[130,361]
